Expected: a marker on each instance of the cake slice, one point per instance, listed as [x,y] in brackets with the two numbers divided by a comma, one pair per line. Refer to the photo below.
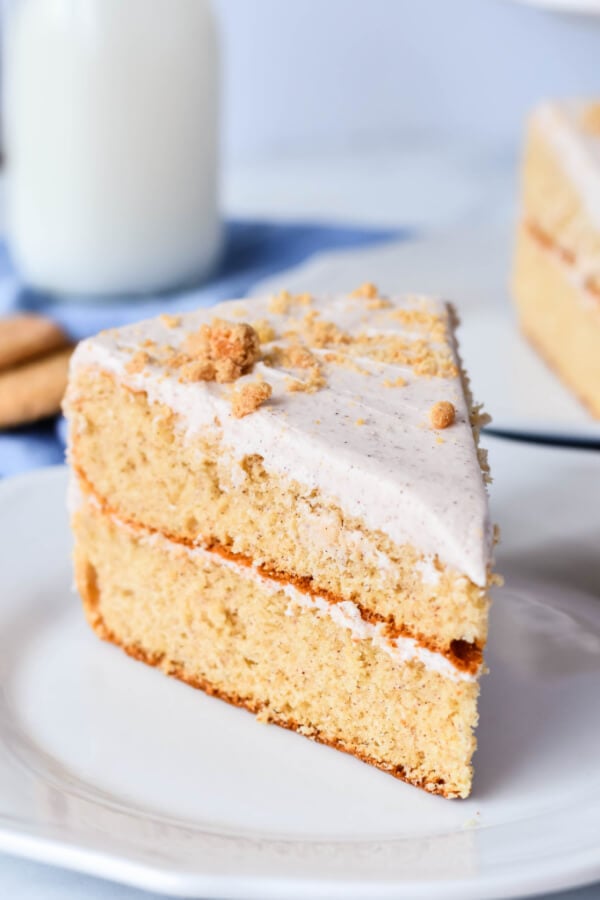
[281,502]
[557,266]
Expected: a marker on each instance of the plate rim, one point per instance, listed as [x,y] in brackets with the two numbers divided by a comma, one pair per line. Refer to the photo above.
[31,844]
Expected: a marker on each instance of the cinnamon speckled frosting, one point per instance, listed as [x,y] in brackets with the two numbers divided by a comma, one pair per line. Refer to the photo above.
[352,381]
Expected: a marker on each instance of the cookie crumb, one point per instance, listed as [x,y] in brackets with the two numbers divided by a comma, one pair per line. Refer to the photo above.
[249,397]
[221,352]
[265,331]
[367,290]
[442,414]
[590,120]
[137,363]
[321,334]
[379,303]
[314,383]
[197,370]
[297,356]
[170,321]
[280,303]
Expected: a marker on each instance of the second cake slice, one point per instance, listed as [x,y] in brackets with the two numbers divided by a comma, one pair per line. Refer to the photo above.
[557,262]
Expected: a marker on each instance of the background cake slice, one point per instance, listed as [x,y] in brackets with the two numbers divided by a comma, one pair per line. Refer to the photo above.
[282,502]
[557,266]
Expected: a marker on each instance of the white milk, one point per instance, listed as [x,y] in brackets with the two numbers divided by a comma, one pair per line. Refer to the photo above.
[111,143]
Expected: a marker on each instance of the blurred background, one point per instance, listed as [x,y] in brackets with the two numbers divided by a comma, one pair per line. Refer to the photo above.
[327,98]
[313,75]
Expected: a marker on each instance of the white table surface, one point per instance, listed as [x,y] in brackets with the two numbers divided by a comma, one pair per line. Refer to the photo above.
[420,184]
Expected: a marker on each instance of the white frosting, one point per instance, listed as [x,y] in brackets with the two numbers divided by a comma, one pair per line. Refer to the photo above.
[392,472]
[345,613]
[577,149]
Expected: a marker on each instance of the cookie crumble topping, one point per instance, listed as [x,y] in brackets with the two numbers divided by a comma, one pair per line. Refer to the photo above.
[367,290]
[265,331]
[170,321]
[221,352]
[281,303]
[590,120]
[249,397]
[442,414]
[137,363]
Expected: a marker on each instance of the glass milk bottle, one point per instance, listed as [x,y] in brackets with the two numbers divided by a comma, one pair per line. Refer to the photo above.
[111,144]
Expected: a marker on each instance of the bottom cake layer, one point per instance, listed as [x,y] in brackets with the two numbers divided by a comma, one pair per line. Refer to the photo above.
[558,315]
[218,627]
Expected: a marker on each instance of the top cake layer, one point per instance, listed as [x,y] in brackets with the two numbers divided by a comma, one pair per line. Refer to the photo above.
[572,128]
[340,390]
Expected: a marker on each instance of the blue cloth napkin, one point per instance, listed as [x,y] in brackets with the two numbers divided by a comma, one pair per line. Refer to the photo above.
[253,250]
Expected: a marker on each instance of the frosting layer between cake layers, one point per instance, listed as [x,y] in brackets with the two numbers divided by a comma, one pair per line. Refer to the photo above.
[363,439]
[345,614]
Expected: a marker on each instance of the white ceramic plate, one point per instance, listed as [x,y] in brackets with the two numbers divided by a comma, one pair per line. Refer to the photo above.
[471,268]
[108,767]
